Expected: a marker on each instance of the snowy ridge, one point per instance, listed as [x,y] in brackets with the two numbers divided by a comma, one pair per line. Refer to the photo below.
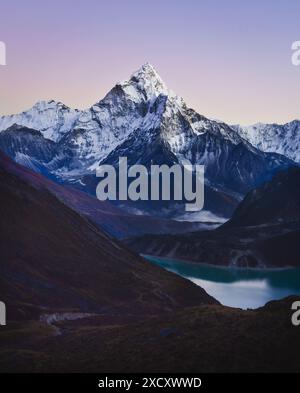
[275,138]
[53,119]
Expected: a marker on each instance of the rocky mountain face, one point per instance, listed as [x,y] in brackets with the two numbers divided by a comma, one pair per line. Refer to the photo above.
[275,138]
[143,120]
[29,148]
[263,232]
[56,260]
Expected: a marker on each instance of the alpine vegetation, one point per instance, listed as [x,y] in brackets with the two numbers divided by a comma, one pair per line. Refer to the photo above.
[162,177]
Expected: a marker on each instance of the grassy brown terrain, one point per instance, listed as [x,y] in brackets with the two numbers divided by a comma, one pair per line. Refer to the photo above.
[208,338]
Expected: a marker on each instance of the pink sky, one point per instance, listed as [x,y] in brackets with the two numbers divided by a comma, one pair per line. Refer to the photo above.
[229,60]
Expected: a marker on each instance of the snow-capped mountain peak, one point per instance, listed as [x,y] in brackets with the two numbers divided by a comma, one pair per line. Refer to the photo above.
[274,138]
[48,104]
[148,80]
[134,104]
[53,119]
[144,85]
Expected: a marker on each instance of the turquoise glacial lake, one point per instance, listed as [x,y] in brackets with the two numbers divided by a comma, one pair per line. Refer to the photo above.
[237,287]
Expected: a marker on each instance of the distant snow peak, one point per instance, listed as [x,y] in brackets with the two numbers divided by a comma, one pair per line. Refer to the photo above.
[53,119]
[274,138]
[46,105]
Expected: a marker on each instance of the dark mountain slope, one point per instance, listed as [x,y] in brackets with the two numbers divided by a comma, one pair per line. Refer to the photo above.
[276,201]
[54,259]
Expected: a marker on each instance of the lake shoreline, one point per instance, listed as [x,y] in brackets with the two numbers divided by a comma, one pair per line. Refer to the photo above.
[242,268]
[244,288]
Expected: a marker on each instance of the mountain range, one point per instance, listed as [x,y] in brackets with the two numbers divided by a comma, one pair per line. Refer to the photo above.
[142,119]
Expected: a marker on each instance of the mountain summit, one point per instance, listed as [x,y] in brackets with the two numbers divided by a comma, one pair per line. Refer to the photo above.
[147,80]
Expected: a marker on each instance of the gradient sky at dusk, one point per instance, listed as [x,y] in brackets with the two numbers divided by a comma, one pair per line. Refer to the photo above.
[229,60]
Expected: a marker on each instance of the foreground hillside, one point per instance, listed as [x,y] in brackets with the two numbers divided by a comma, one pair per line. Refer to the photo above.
[53,259]
[208,338]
